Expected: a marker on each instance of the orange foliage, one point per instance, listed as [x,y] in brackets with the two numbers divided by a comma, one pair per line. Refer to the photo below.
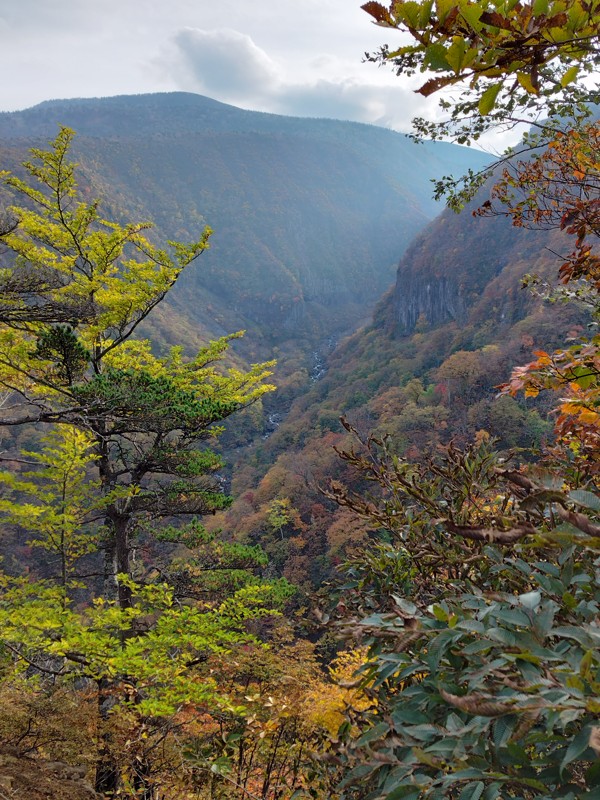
[561,189]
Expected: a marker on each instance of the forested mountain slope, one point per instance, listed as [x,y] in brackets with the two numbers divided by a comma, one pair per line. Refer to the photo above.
[309,215]
[425,370]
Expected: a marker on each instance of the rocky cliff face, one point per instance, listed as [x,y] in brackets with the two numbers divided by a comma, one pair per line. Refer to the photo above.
[429,301]
[309,216]
[464,268]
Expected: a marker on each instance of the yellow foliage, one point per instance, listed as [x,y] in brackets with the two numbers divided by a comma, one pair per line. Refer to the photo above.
[326,701]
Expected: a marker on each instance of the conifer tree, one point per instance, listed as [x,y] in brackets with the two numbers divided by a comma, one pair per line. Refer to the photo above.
[74,288]
[128,446]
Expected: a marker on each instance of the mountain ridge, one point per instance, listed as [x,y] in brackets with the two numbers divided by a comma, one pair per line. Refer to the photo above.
[309,216]
[423,372]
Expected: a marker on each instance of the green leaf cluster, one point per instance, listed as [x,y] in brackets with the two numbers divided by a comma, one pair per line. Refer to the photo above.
[490,45]
[152,651]
[486,696]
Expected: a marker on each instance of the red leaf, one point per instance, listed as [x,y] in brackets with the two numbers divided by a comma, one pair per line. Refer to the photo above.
[379,13]
[434,84]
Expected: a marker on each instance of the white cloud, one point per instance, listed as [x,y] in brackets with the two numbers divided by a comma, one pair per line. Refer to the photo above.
[389,106]
[224,63]
[228,65]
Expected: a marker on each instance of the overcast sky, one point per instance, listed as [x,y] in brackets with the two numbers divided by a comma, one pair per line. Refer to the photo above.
[299,57]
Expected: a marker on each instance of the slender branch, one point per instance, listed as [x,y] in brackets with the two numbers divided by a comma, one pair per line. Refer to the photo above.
[15,651]
[493,535]
[579,521]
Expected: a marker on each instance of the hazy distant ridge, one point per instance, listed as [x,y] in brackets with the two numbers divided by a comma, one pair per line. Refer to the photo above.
[310,215]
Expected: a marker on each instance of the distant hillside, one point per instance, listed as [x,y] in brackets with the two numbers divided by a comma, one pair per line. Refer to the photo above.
[411,166]
[310,216]
[426,370]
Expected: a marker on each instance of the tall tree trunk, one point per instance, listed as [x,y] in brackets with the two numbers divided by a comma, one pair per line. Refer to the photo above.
[110,588]
[144,787]
[117,556]
[122,557]
[108,779]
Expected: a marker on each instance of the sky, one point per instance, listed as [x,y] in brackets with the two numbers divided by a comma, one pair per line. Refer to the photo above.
[297,57]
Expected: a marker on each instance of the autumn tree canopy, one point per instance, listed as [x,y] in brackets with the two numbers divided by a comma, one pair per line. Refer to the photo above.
[483,658]
[128,446]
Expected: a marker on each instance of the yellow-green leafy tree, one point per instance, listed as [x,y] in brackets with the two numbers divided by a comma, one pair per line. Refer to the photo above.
[128,446]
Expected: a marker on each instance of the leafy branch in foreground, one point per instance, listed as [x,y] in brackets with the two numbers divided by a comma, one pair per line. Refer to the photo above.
[559,191]
[484,695]
[520,58]
[496,65]
[478,604]
[479,598]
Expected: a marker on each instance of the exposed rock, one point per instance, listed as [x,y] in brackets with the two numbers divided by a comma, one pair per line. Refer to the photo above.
[466,269]
[436,300]
[23,778]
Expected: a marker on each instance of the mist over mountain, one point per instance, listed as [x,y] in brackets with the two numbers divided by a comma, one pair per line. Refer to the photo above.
[424,371]
[310,219]
[310,215]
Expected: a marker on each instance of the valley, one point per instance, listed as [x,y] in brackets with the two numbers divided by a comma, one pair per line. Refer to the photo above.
[225,577]
[309,216]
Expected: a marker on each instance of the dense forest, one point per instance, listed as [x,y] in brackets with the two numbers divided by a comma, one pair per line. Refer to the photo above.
[379,581]
[309,217]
